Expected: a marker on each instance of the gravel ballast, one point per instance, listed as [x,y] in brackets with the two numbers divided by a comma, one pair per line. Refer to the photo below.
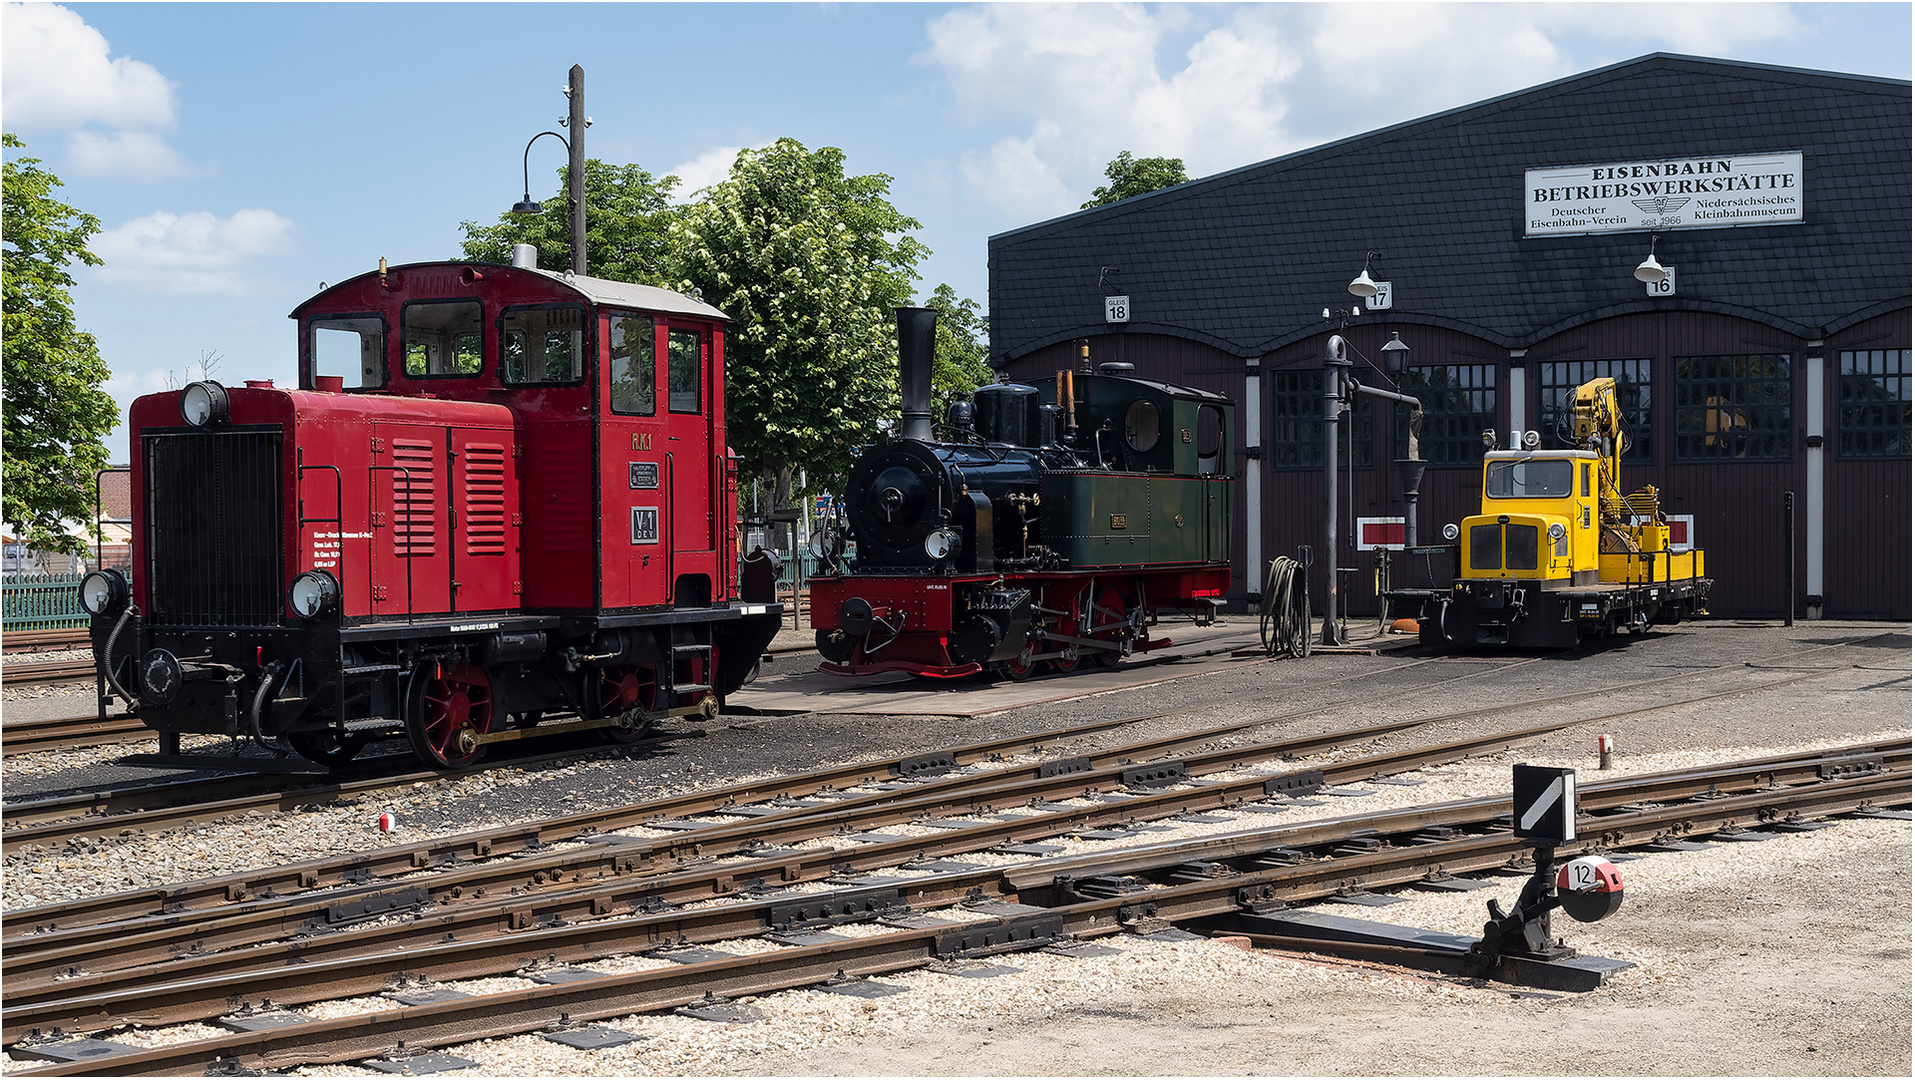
[1783,957]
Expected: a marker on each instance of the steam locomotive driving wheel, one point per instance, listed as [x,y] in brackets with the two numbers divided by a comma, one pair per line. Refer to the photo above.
[448,708]
[621,690]
[1109,609]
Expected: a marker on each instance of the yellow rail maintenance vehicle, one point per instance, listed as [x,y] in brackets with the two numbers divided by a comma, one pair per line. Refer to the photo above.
[1559,554]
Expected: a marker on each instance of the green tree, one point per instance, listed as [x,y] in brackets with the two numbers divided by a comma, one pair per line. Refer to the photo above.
[810,264]
[962,360]
[1136,176]
[628,220]
[55,412]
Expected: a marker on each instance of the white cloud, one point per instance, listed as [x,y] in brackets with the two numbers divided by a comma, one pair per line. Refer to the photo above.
[57,74]
[1088,79]
[1078,83]
[190,253]
[703,171]
[135,155]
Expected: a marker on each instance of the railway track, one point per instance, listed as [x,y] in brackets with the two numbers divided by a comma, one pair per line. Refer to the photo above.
[70,733]
[50,673]
[155,808]
[45,640]
[930,919]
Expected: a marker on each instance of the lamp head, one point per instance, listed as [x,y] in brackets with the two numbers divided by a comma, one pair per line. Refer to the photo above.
[1396,355]
[526,206]
[1364,285]
[1650,270]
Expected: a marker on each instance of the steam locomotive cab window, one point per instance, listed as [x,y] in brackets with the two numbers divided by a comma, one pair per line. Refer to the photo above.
[444,338]
[634,366]
[687,369]
[1141,425]
[542,345]
[352,349]
[1210,426]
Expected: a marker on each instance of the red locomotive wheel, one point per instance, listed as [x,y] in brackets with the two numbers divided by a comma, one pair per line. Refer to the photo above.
[1110,609]
[1071,656]
[1018,668]
[450,707]
[619,691]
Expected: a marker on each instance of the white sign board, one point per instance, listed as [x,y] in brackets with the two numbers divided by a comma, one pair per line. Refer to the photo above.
[1116,309]
[1383,299]
[1680,193]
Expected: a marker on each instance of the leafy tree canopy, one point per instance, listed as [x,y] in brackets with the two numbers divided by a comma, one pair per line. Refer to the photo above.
[810,264]
[627,227]
[1136,176]
[961,363]
[56,415]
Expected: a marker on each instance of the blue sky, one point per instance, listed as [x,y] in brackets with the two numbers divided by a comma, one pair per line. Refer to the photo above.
[237,155]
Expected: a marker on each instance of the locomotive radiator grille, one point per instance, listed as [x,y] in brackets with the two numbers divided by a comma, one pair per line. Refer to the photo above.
[214,528]
[414,528]
[484,499]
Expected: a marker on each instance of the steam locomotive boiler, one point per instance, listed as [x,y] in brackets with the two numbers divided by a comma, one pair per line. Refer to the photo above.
[1051,525]
[498,505]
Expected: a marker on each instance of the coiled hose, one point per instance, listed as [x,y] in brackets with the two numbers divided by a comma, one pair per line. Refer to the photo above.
[1284,619]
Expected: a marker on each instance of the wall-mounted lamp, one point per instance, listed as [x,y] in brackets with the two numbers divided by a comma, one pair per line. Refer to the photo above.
[1364,285]
[1649,270]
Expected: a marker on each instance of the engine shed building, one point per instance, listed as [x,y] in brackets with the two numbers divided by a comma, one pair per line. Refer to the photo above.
[1775,360]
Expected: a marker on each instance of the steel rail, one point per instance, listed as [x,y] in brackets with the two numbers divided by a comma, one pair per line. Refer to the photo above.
[235,907]
[517,1012]
[500,937]
[508,839]
[46,640]
[123,804]
[67,733]
[55,671]
[254,911]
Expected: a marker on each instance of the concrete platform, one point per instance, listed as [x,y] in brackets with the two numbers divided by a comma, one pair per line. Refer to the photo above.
[793,682]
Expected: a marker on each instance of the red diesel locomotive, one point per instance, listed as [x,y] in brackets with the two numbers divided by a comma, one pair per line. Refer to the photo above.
[500,504]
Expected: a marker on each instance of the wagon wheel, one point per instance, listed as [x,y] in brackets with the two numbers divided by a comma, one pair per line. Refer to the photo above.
[327,746]
[1110,607]
[1070,655]
[449,707]
[1018,668]
[620,690]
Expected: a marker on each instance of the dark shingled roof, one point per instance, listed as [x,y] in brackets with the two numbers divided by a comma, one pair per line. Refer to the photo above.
[1246,260]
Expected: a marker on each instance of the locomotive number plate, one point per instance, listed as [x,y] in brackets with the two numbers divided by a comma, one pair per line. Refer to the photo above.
[644,476]
[1118,521]
[644,524]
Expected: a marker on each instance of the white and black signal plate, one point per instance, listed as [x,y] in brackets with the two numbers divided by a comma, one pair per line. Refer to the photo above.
[1545,804]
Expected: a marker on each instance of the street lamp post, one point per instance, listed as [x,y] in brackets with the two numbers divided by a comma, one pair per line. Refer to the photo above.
[577,122]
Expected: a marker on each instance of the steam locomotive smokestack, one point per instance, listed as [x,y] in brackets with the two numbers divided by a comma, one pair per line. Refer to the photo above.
[917,338]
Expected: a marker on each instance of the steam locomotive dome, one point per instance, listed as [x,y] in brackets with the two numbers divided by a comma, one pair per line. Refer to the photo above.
[902,490]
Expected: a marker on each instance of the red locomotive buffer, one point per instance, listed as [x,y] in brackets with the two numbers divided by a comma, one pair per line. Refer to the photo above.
[1049,528]
[499,505]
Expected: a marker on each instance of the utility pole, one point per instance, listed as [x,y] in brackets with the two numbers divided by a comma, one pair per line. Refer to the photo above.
[575,90]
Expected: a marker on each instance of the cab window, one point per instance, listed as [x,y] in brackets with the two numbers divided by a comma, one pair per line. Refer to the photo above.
[352,349]
[683,348]
[542,345]
[634,365]
[1528,479]
[444,338]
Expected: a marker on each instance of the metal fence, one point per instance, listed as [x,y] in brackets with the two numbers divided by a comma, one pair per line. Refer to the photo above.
[41,602]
